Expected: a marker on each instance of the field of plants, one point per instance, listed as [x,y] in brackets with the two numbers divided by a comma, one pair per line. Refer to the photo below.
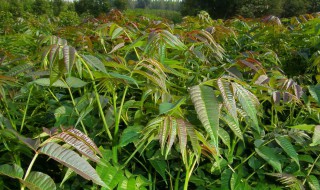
[128,102]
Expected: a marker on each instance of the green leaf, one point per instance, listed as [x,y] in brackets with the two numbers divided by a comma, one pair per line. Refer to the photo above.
[72,160]
[39,181]
[117,32]
[233,125]
[304,127]
[269,155]
[248,102]
[207,108]
[228,98]
[74,82]
[46,82]
[167,107]
[130,134]
[225,179]
[313,182]
[13,171]
[160,166]
[224,136]
[110,175]
[288,148]
[316,136]
[94,62]
[315,92]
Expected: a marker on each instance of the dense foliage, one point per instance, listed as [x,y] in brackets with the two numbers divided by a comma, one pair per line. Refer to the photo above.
[134,103]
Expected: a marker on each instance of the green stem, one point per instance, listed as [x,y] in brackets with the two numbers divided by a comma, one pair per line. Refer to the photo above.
[25,110]
[29,168]
[189,171]
[310,170]
[176,182]
[77,111]
[98,100]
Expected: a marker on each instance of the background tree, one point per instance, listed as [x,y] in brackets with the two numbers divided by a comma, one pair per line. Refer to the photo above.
[94,7]
[121,4]
[40,7]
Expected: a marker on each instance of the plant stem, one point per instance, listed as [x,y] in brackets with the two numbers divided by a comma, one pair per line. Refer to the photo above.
[26,109]
[310,170]
[75,107]
[189,170]
[98,100]
[29,168]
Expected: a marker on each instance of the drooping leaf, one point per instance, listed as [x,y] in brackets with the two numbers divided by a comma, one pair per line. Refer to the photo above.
[316,136]
[78,144]
[69,57]
[288,180]
[269,155]
[46,82]
[171,135]
[94,62]
[224,136]
[81,136]
[233,125]
[288,148]
[207,108]
[225,179]
[182,135]
[248,102]
[74,82]
[228,98]
[13,171]
[72,160]
[39,181]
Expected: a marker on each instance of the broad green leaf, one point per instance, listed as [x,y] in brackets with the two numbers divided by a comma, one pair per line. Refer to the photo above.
[110,175]
[247,102]
[72,160]
[74,82]
[39,181]
[117,32]
[130,134]
[129,184]
[128,79]
[304,127]
[269,155]
[160,166]
[315,92]
[46,82]
[313,182]
[13,171]
[94,62]
[316,136]
[288,148]
[224,136]
[233,125]
[207,108]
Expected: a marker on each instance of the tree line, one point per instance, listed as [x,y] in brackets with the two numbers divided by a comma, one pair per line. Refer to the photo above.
[250,8]
[216,8]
